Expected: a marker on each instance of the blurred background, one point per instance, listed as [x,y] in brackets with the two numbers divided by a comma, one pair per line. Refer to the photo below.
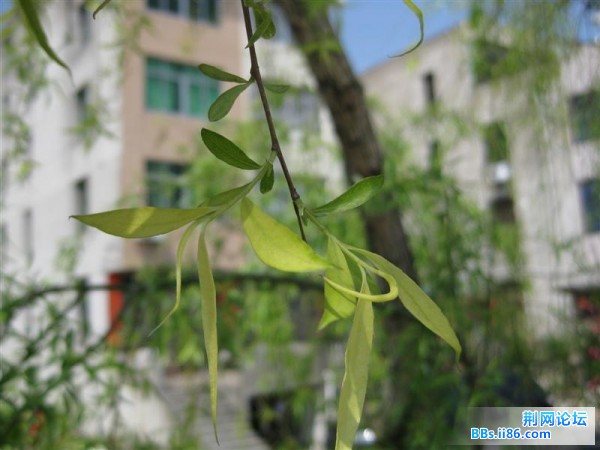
[487,134]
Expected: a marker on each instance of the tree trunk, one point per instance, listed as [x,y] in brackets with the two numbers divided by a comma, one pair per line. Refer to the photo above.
[344,96]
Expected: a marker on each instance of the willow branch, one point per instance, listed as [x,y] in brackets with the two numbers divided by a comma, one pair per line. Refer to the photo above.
[255,72]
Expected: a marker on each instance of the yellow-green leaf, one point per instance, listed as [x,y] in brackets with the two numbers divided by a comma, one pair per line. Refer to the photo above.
[227,197]
[417,12]
[209,323]
[142,222]
[222,105]
[354,384]
[217,74]
[276,245]
[417,302]
[32,20]
[353,197]
[337,305]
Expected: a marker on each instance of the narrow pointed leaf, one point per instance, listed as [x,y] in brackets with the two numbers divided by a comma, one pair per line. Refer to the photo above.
[376,298]
[142,222]
[222,105]
[354,384]
[416,301]
[217,74]
[268,179]
[265,26]
[277,88]
[227,151]
[276,245]
[417,12]
[337,305]
[208,294]
[100,8]
[227,197]
[353,197]
[178,263]
[32,20]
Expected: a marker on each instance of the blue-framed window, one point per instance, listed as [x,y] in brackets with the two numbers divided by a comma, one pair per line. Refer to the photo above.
[199,10]
[590,202]
[165,185]
[177,88]
[584,112]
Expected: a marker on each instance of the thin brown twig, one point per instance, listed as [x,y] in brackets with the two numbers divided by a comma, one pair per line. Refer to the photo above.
[255,72]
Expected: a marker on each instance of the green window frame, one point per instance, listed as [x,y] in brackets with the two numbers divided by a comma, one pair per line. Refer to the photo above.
[198,10]
[178,89]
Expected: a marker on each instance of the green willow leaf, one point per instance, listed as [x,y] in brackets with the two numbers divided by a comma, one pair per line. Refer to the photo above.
[222,105]
[276,245]
[353,197]
[354,384]
[268,179]
[178,263]
[376,298]
[265,27]
[417,302]
[277,88]
[100,8]
[227,151]
[337,305]
[417,12]
[217,74]
[208,294]
[142,222]
[32,20]
[227,197]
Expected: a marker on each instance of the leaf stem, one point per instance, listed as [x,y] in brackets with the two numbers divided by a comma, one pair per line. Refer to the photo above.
[255,73]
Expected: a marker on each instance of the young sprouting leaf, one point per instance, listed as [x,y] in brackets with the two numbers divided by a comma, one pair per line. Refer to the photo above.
[356,375]
[223,198]
[217,74]
[265,27]
[268,179]
[222,105]
[337,305]
[178,263]
[277,88]
[29,8]
[227,151]
[100,8]
[416,301]
[208,294]
[353,197]
[276,245]
[142,222]
[417,12]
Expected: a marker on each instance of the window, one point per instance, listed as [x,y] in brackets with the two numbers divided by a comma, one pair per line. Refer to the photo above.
[503,209]
[164,185]
[585,113]
[81,201]
[176,88]
[85,26]
[82,100]
[590,200]
[429,84]
[496,142]
[200,10]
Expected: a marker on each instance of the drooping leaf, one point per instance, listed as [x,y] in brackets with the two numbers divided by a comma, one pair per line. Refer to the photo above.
[337,305]
[356,374]
[268,179]
[208,294]
[227,151]
[223,198]
[416,301]
[222,105]
[277,88]
[276,245]
[392,294]
[32,20]
[417,12]
[142,222]
[217,74]
[353,197]
[100,8]
[178,263]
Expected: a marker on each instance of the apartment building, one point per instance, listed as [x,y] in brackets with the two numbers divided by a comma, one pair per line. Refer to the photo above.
[531,163]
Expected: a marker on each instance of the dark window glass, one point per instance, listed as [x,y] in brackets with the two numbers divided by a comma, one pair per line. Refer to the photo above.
[590,200]
[429,84]
[81,201]
[503,210]
[585,116]
[164,185]
[200,10]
